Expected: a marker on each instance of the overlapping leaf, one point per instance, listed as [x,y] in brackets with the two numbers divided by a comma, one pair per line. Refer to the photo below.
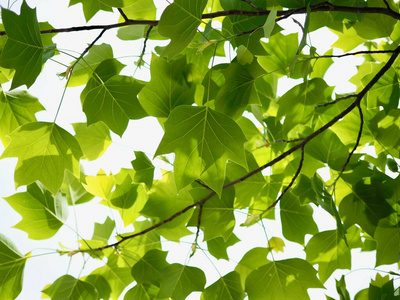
[16,108]
[44,152]
[203,140]
[93,139]
[178,281]
[179,22]
[90,7]
[227,287]
[167,89]
[70,288]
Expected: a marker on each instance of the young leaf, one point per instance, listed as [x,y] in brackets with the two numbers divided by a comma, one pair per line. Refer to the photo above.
[217,246]
[42,213]
[287,279]
[69,288]
[227,287]
[44,151]
[387,237]
[178,281]
[16,108]
[251,261]
[179,22]
[23,50]
[203,140]
[103,231]
[12,264]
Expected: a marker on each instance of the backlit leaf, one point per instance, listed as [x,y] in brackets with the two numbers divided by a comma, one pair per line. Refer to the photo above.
[203,150]
[179,22]
[42,213]
[90,7]
[144,169]
[23,50]
[44,151]
[12,264]
[227,287]
[286,279]
[93,139]
[70,288]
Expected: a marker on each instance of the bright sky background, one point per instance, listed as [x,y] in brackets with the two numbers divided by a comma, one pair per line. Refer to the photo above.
[143,135]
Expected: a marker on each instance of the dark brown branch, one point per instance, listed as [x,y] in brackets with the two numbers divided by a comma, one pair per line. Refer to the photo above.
[289,141]
[146,38]
[91,45]
[253,5]
[198,229]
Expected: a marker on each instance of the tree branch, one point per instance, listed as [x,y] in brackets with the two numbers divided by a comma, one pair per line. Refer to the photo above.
[123,14]
[301,145]
[354,53]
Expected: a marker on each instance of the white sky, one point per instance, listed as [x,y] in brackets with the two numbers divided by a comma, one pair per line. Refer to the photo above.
[143,135]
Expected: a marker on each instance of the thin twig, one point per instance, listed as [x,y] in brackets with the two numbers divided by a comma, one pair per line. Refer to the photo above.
[146,38]
[336,100]
[123,15]
[353,54]
[355,146]
[290,141]
[194,246]
[203,184]
[289,186]
[253,5]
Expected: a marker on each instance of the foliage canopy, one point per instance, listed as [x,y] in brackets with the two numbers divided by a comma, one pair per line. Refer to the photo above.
[233,146]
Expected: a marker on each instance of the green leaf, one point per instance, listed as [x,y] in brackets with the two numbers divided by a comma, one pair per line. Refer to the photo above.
[276,244]
[167,89]
[387,237]
[203,140]
[23,50]
[252,260]
[227,287]
[93,139]
[144,169]
[12,264]
[149,267]
[141,10]
[329,251]
[217,217]
[117,277]
[103,231]
[118,3]
[125,194]
[69,288]
[142,292]
[16,108]
[100,284]
[282,50]
[100,185]
[114,103]
[163,202]
[328,148]
[83,69]
[90,7]
[179,22]
[286,279]
[307,95]
[239,89]
[297,220]
[366,205]
[178,281]
[341,289]
[217,246]
[270,23]
[44,151]
[74,191]
[42,213]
